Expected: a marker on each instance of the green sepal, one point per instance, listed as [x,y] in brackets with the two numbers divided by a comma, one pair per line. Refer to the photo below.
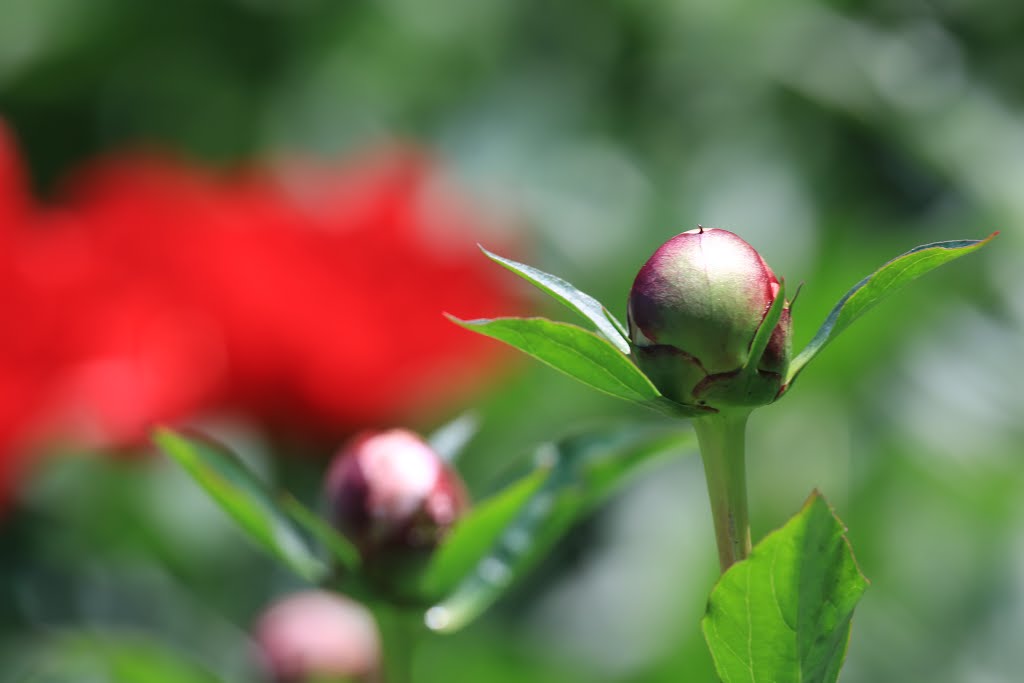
[764,331]
[749,386]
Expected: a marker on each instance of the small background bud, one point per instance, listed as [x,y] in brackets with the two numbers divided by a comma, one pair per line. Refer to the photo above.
[394,498]
[319,635]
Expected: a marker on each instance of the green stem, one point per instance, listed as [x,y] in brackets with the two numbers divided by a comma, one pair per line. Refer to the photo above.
[722,438]
[398,630]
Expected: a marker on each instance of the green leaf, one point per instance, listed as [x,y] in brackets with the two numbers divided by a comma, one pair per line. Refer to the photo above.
[245,498]
[476,533]
[343,552]
[783,614]
[572,350]
[874,288]
[563,292]
[575,476]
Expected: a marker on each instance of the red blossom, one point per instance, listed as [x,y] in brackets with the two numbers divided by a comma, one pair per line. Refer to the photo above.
[308,296]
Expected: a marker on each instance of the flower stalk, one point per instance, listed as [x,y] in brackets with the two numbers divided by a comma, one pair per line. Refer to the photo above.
[399,632]
[722,440]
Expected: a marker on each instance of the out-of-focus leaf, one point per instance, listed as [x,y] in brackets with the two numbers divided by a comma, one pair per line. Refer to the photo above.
[783,614]
[572,350]
[566,294]
[885,281]
[583,471]
[450,438]
[245,498]
[106,658]
[476,533]
[316,526]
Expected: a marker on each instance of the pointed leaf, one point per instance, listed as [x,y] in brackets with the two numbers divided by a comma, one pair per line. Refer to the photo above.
[584,471]
[245,498]
[874,288]
[476,533]
[341,550]
[765,329]
[783,614]
[572,350]
[563,292]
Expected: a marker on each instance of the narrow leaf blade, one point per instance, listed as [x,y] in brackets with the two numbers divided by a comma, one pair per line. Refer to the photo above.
[339,547]
[245,499]
[571,350]
[476,533]
[566,294]
[885,281]
[784,613]
[583,472]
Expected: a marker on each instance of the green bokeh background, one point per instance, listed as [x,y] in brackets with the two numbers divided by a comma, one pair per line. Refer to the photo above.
[832,136]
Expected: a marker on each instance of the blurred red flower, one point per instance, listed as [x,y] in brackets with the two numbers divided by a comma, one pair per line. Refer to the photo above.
[306,297]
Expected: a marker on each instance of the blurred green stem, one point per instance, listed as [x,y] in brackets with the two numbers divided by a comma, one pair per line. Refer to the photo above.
[398,630]
[722,439]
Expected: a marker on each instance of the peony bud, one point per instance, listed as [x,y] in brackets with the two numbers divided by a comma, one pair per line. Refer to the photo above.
[318,635]
[694,311]
[394,498]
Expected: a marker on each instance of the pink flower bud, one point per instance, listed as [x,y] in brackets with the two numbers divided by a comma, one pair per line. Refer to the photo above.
[317,635]
[393,496]
[694,310]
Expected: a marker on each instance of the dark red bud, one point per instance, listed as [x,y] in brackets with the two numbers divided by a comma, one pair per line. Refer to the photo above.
[391,494]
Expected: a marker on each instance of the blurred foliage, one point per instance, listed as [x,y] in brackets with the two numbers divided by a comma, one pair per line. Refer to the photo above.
[829,135]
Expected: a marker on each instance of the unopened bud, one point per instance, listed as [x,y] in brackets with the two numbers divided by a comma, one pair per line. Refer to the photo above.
[694,310]
[393,497]
[318,635]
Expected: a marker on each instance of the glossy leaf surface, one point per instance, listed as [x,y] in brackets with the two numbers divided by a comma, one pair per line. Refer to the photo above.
[576,475]
[570,349]
[566,294]
[783,614]
[884,282]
